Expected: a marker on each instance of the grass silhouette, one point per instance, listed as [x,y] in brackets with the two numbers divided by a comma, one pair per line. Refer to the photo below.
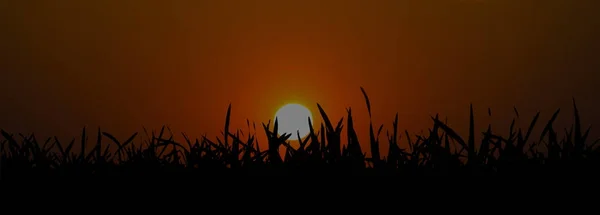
[441,152]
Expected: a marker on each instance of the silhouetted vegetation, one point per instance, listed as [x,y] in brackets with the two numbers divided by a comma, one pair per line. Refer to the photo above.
[439,152]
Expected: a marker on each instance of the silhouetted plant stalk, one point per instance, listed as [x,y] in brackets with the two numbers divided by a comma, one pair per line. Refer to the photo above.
[440,151]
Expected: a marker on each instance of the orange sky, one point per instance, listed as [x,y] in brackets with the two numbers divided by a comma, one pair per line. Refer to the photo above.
[124,64]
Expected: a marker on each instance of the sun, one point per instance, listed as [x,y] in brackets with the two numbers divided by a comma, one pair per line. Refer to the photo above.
[293,118]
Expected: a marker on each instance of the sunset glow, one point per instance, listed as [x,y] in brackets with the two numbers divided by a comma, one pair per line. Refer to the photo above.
[122,65]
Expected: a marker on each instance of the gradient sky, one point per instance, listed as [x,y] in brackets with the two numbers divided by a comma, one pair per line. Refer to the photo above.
[124,64]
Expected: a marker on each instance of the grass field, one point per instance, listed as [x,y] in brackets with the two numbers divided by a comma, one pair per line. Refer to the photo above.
[440,152]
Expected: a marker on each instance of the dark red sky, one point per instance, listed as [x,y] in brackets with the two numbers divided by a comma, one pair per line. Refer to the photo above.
[124,64]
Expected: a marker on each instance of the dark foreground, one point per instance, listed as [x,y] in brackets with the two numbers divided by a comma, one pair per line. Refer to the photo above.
[160,173]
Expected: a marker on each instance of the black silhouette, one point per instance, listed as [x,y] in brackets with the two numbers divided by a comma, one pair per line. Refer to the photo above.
[441,152]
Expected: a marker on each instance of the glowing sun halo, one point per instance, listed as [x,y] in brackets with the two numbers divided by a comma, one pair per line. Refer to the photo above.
[293,118]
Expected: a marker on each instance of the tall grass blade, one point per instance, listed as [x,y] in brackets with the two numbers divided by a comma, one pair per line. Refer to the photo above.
[226,130]
[366,100]
[548,127]
[471,143]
